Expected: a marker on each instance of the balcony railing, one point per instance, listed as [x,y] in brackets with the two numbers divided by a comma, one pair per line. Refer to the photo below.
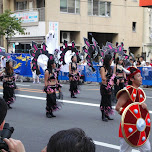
[41,12]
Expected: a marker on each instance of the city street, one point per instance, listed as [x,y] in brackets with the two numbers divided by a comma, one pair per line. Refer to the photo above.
[34,129]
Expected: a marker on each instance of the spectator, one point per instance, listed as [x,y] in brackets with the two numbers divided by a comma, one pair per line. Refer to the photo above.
[146,70]
[72,140]
[3,62]
[151,62]
[143,63]
[3,112]
[14,145]
[138,64]
[35,74]
[132,61]
[147,64]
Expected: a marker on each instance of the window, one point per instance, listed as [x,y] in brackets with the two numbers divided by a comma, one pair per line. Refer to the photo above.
[99,8]
[21,5]
[70,6]
[134,26]
[90,7]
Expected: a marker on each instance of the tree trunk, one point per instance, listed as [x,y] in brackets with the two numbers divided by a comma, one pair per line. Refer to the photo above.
[7,43]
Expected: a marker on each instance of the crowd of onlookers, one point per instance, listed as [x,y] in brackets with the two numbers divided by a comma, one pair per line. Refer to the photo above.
[142,63]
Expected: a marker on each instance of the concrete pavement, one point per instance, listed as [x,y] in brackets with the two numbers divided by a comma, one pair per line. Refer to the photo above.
[34,129]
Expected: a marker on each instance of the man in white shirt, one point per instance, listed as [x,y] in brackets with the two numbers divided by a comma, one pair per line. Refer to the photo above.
[3,62]
[143,63]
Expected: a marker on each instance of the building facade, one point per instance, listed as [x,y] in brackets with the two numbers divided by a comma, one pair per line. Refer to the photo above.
[147,35]
[32,13]
[1,11]
[107,20]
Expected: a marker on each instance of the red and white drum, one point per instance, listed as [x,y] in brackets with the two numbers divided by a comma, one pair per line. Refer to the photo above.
[135,123]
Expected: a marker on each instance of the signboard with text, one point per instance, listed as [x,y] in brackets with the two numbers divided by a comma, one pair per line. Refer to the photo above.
[53,26]
[27,17]
[147,3]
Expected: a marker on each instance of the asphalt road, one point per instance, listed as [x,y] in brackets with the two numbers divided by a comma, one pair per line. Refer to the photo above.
[34,129]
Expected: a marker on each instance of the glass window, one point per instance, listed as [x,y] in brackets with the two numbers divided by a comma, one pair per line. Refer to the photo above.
[77,6]
[95,7]
[102,8]
[98,7]
[90,7]
[108,13]
[21,5]
[134,26]
[70,6]
[63,5]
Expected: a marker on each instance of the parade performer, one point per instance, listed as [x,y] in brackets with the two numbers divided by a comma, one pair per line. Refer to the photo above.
[73,76]
[50,88]
[120,75]
[36,73]
[57,70]
[8,83]
[106,88]
[132,94]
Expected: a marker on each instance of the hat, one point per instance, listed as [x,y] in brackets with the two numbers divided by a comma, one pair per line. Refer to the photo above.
[133,71]
[147,61]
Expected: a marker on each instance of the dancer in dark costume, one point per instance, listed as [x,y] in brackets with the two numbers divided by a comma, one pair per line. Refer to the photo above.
[59,86]
[106,88]
[120,75]
[50,89]
[8,83]
[73,76]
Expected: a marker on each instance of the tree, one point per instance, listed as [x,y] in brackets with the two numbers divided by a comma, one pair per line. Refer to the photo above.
[9,25]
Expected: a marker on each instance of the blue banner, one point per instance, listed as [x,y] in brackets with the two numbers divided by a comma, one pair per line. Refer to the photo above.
[22,64]
[22,67]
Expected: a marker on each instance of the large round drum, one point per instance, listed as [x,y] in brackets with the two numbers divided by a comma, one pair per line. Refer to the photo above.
[135,123]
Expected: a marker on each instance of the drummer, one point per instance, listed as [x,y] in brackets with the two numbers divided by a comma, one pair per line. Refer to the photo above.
[130,94]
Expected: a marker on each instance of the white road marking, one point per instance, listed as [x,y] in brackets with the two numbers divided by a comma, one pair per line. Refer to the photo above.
[64,101]
[24,85]
[18,84]
[110,146]
[148,97]
[79,103]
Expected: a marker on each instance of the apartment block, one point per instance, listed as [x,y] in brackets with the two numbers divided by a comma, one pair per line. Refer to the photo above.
[106,20]
[32,13]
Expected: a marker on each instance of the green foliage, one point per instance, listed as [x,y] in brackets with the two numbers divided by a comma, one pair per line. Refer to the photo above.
[9,24]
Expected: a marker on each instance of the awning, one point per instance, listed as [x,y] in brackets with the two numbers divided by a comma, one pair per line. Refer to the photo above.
[27,40]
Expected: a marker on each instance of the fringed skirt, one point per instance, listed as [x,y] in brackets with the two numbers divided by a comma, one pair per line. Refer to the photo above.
[105,104]
[51,101]
[74,84]
[8,92]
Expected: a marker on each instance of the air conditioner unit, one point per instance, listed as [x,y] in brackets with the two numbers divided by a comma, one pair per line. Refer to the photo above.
[65,36]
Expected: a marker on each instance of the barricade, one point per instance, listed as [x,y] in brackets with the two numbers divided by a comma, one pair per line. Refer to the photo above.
[23,68]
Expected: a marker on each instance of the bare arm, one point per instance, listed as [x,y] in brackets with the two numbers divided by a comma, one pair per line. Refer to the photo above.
[46,76]
[124,75]
[121,101]
[2,71]
[114,70]
[103,75]
[70,68]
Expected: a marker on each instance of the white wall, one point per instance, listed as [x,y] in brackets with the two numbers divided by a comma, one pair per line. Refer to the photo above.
[33,31]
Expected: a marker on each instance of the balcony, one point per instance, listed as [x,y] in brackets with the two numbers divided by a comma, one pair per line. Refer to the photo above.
[32,16]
